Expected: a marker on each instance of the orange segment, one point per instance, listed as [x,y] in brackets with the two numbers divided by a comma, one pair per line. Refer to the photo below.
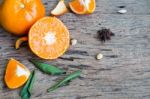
[20,41]
[82,6]
[90,5]
[16,74]
[77,6]
[49,38]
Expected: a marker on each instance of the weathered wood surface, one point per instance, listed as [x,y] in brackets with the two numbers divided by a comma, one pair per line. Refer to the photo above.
[123,73]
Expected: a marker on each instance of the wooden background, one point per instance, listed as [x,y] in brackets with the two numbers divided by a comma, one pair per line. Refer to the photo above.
[123,73]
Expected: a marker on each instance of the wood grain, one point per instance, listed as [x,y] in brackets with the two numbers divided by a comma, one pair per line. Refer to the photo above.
[123,73]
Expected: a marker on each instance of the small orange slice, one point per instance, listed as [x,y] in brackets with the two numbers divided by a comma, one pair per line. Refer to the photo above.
[16,74]
[82,6]
[77,6]
[49,38]
[59,9]
[20,41]
[90,5]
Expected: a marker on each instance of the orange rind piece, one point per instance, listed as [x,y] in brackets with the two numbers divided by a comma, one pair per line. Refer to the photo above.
[16,74]
[60,9]
[20,41]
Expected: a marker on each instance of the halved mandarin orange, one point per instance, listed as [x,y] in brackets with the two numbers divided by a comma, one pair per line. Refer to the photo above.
[77,6]
[49,38]
[16,74]
[82,6]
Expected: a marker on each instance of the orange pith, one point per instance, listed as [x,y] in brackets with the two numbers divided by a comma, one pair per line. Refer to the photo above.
[77,6]
[16,74]
[49,38]
[82,6]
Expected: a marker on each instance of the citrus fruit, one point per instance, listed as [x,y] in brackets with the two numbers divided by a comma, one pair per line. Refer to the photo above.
[90,5]
[17,16]
[77,6]
[48,38]
[82,6]
[59,9]
[16,74]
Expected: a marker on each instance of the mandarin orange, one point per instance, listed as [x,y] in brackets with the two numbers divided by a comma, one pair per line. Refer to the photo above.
[49,38]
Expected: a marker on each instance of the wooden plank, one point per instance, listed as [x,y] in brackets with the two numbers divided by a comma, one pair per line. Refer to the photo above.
[123,73]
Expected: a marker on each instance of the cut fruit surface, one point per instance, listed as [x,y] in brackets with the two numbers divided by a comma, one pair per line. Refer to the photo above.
[16,74]
[78,6]
[90,5]
[49,38]
[59,9]
[82,6]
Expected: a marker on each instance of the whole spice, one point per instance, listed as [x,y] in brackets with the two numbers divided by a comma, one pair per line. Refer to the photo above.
[46,68]
[65,81]
[27,89]
[105,34]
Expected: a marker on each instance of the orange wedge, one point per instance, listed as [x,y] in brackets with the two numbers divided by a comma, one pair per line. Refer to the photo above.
[16,74]
[59,9]
[77,6]
[82,6]
[20,41]
[49,38]
[90,5]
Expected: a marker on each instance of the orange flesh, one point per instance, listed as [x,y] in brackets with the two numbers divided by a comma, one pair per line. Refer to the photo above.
[90,5]
[14,79]
[49,38]
[20,41]
[77,6]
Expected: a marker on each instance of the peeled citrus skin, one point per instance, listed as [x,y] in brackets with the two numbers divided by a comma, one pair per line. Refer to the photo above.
[49,38]
[17,16]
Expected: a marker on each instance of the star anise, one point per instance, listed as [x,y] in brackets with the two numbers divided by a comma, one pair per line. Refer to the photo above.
[105,34]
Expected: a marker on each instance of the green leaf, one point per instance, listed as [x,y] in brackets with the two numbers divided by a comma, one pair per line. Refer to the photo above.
[26,90]
[46,68]
[65,81]
[30,87]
